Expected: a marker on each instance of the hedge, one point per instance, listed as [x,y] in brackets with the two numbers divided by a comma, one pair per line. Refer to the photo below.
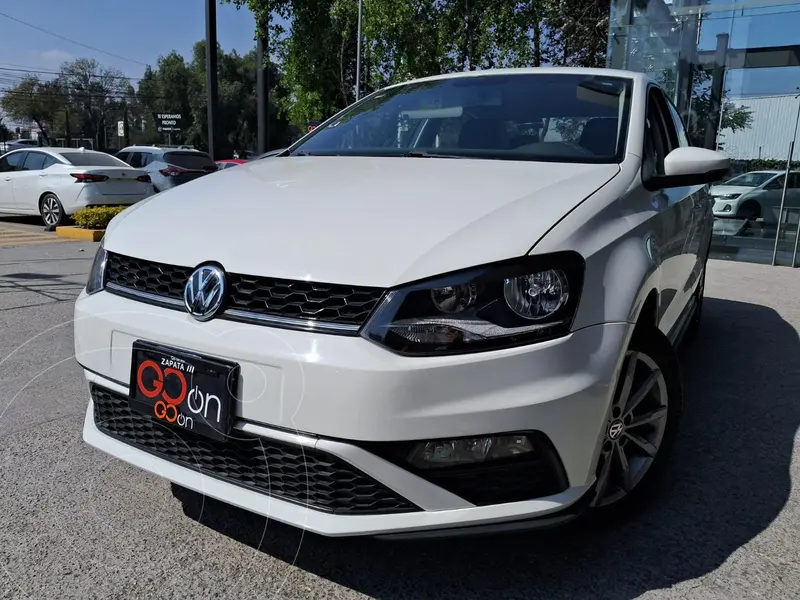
[96,217]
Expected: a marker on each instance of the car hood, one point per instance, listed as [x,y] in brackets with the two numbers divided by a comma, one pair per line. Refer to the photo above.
[724,190]
[359,221]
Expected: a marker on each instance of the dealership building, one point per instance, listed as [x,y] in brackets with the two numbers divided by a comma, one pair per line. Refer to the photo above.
[733,71]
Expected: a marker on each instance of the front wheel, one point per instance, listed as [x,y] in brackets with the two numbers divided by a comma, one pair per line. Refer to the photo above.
[641,427]
[51,210]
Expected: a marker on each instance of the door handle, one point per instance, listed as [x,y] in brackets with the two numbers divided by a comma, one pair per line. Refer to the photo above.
[8,178]
[42,174]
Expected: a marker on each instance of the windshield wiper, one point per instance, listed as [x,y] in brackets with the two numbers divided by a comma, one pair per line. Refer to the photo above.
[422,154]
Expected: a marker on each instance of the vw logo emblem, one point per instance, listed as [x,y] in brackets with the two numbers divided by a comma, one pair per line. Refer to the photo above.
[615,429]
[205,292]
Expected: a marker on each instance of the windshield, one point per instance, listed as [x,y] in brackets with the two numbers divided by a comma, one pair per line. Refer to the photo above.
[92,159]
[750,179]
[539,117]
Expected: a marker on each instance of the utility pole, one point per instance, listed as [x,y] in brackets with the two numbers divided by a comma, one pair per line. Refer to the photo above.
[68,140]
[211,75]
[126,138]
[358,51]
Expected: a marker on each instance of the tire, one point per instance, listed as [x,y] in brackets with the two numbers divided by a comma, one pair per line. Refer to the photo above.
[750,210]
[645,445]
[51,211]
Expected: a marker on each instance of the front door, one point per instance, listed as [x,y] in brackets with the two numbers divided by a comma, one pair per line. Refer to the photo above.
[678,209]
[9,166]
[29,181]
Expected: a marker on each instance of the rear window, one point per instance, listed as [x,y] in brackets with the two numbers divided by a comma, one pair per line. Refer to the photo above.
[190,160]
[92,159]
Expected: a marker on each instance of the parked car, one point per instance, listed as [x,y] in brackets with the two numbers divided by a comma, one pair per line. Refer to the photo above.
[420,319]
[755,194]
[168,167]
[55,182]
[228,163]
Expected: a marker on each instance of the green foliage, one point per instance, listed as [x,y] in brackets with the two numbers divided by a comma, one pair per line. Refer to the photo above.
[405,39]
[96,217]
[35,100]
[770,164]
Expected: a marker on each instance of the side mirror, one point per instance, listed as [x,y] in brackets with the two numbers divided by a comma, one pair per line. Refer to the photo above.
[690,166]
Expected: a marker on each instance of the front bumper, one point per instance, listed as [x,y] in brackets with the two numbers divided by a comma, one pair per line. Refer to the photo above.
[344,388]
[725,208]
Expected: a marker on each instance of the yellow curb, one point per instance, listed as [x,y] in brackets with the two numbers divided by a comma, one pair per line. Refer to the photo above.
[77,233]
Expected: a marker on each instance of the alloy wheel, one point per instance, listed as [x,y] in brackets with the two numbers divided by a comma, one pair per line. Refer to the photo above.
[634,431]
[51,210]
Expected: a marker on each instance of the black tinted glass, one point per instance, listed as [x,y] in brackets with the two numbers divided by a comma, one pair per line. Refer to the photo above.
[190,160]
[92,159]
[15,160]
[34,161]
[550,117]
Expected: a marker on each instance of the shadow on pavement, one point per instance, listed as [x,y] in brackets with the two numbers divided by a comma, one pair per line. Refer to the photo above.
[728,481]
[22,220]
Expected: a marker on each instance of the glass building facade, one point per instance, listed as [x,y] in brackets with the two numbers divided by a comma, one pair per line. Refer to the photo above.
[733,70]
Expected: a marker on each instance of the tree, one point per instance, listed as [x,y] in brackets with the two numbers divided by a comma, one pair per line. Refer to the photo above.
[37,101]
[578,32]
[94,93]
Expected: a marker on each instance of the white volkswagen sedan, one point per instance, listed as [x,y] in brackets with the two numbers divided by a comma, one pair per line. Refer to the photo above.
[56,182]
[453,307]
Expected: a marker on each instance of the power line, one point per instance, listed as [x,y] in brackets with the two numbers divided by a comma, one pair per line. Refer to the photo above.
[45,72]
[66,39]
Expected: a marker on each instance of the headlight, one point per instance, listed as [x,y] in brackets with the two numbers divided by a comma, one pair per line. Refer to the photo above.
[485,308]
[97,275]
[730,196]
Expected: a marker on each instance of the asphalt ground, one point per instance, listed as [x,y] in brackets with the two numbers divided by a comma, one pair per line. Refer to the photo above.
[75,523]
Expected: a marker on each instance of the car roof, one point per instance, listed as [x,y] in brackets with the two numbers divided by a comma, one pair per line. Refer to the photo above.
[52,150]
[637,77]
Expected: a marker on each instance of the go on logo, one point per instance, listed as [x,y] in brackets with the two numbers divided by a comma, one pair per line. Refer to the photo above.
[166,407]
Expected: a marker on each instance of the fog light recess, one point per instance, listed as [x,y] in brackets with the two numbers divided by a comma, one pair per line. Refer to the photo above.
[464,451]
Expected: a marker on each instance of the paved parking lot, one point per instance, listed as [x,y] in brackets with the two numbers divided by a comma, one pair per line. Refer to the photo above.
[77,524]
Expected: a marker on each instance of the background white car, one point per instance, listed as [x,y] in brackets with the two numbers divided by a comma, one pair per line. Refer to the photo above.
[56,182]
[754,194]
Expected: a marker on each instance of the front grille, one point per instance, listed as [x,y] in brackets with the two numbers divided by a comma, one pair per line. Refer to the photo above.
[146,276]
[250,296]
[301,475]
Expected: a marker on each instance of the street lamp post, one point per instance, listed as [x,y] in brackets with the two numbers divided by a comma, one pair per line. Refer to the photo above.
[358,51]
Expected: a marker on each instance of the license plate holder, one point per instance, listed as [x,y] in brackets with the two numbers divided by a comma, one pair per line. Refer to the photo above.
[183,389]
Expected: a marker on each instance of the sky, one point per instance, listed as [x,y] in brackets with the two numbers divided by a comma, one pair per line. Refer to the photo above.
[135,33]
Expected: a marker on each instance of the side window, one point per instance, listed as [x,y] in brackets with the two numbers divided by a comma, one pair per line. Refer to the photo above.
[656,138]
[49,161]
[794,180]
[683,139]
[776,184]
[4,166]
[147,158]
[135,160]
[34,161]
[14,161]
[124,156]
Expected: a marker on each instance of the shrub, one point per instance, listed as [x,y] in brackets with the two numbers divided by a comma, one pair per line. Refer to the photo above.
[96,217]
